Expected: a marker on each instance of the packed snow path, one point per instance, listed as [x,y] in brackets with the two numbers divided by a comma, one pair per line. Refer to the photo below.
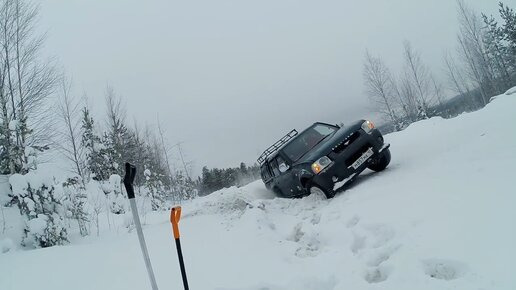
[441,216]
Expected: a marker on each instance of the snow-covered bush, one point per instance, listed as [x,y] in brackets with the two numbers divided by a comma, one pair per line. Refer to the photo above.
[97,202]
[183,187]
[41,206]
[154,189]
[113,191]
[76,202]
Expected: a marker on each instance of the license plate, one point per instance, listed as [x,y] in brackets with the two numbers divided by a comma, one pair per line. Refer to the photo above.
[362,158]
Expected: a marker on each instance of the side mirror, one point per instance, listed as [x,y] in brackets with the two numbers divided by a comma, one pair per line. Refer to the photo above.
[283,167]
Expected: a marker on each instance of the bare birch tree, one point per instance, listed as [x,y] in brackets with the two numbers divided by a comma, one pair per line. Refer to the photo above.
[26,82]
[378,82]
[472,51]
[417,74]
[165,151]
[437,91]
[69,141]
[408,98]
[455,76]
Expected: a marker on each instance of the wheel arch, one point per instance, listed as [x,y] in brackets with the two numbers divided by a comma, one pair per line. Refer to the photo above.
[305,178]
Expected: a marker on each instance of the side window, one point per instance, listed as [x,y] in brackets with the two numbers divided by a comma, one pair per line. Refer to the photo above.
[280,160]
[265,172]
[274,166]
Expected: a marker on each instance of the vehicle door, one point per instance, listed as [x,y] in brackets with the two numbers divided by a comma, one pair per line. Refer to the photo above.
[266,175]
[283,174]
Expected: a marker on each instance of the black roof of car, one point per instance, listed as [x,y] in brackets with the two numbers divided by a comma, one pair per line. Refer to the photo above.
[268,157]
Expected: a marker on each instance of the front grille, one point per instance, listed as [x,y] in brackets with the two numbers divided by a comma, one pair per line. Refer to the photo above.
[346,142]
[357,154]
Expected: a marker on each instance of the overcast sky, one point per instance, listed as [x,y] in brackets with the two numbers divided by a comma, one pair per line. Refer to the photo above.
[229,77]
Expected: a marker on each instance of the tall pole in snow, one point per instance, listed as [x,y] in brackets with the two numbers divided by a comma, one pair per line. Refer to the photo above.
[130,173]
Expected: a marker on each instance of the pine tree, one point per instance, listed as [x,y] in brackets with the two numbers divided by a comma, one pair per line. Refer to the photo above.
[184,187]
[498,50]
[206,181]
[155,189]
[508,29]
[95,162]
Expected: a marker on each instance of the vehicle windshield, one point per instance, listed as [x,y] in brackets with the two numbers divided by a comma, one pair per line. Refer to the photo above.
[307,140]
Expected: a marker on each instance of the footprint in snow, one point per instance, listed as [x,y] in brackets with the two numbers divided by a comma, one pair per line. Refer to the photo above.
[316,218]
[311,249]
[359,243]
[309,243]
[297,233]
[443,269]
[376,235]
[380,234]
[376,275]
[381,256]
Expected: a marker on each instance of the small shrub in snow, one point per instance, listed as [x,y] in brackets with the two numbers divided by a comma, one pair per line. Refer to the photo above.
[154,189]
[39,204]
[183,188]
[97,202]
[76,202]
[113,191]
[116,203]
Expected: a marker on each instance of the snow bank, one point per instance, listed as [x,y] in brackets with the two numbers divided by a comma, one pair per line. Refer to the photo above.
[6,245]
[511,91]
[229,201]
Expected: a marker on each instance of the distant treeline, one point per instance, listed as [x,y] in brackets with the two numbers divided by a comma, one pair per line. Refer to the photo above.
[483,65]
[217,178]
[446,109]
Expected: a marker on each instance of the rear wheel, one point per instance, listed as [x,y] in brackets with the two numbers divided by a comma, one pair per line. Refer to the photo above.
[315,189]
[381,162]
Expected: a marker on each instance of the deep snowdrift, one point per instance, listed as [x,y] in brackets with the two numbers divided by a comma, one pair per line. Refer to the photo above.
[440,217]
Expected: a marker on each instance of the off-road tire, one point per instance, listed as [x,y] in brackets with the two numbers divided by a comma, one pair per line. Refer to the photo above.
[381,162]
[315,189]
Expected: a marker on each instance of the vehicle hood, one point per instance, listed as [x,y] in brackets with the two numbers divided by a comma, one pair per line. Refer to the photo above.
[325,147]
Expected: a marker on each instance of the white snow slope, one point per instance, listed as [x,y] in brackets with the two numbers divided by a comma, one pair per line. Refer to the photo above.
[442,216]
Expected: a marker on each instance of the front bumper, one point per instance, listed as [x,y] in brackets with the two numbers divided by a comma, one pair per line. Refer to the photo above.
[341,172]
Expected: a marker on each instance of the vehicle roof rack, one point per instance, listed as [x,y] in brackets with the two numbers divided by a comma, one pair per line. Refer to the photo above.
[276,146]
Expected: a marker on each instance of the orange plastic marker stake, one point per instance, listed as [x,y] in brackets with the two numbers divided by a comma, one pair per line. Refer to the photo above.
[175,216]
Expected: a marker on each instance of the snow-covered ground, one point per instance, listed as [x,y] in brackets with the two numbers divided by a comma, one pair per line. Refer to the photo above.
[441,216]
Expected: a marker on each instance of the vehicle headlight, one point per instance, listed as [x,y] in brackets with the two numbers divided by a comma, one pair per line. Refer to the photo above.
[367,126]
[320,164]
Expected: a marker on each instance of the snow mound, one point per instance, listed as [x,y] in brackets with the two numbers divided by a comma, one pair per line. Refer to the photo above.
[6,245]
[231,200]
[511,91]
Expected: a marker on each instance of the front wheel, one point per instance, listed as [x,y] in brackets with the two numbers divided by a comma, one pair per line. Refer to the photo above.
[314,189]
[381,162]
[277,191]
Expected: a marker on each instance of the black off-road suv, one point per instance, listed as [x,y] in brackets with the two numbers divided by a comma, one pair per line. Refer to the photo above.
[323,158]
